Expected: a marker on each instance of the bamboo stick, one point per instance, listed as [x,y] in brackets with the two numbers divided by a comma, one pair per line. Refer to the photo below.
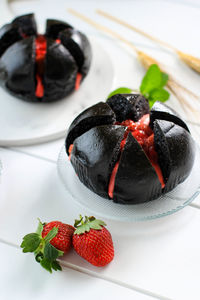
[102,28]
[192,61]
[147,35]
[145,59]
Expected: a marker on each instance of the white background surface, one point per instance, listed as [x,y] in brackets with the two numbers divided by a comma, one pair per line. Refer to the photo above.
[153,260]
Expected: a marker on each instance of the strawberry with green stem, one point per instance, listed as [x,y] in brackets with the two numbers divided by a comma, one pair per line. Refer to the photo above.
[92,241]
[49,242]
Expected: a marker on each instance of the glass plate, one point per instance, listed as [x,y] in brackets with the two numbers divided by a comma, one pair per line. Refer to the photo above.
[165,205]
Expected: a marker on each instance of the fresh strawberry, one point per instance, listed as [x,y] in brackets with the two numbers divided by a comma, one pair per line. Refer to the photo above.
[93,241]
[48,243]
[63,240]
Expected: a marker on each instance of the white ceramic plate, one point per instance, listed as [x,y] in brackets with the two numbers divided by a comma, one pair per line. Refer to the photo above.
[25,123]
[167,204]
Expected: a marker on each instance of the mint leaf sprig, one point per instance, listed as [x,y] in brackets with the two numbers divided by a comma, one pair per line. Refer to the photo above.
[44,252]
[121,90]
[152,86]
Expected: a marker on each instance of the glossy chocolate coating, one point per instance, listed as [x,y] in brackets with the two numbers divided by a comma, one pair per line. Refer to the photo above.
[18,75]
[9,34]
[27,24]
[75,42]
[136,180]
[175,147]
[91,153]
[54,27]
[78,45]
[60,72]
[96,115]
[161,111]
[62,62]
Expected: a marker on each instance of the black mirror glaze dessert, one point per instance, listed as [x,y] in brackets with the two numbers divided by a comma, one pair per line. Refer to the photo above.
[123,151]
[45,67]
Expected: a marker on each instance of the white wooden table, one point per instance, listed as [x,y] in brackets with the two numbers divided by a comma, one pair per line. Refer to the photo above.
[158,259]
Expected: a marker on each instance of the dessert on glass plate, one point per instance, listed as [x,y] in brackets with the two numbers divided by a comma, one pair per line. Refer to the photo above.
[123,151]
[131,149]
[42,68]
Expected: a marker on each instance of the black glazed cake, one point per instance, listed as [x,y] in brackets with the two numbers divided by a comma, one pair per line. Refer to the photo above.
[45,67]
[123,151]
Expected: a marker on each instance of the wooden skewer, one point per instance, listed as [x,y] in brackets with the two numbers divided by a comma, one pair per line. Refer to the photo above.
[145,59]
[191,93]
[192,61]
[119,21]
[102,28]
[172,85]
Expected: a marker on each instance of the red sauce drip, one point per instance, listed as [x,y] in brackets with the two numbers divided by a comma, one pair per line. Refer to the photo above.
[41,49]
[78,76]
[112,180]
[70,150]
[78,81]
[145,137]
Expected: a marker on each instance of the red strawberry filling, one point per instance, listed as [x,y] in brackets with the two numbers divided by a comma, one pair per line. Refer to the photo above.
[70,150]
[145,137]
[78,76]
[78,81]
[41,49]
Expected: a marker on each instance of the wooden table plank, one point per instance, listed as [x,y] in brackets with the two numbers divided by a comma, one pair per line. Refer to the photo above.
[160,256]
[22,278]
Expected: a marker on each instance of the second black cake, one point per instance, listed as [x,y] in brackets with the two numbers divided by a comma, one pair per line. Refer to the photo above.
[45,67]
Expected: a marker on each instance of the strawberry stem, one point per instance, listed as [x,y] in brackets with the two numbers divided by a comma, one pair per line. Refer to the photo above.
[44,252]
[87,224]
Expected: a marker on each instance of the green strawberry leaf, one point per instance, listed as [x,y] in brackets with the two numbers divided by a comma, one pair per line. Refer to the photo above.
[39,228]
[30,242]
[77,222]
[39,256]
[82,229]
[51,234]
[121,90]
[51,253]
[87,224]
[46,264]
[45,253]
[158,95]
[56,266]
[97,224]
